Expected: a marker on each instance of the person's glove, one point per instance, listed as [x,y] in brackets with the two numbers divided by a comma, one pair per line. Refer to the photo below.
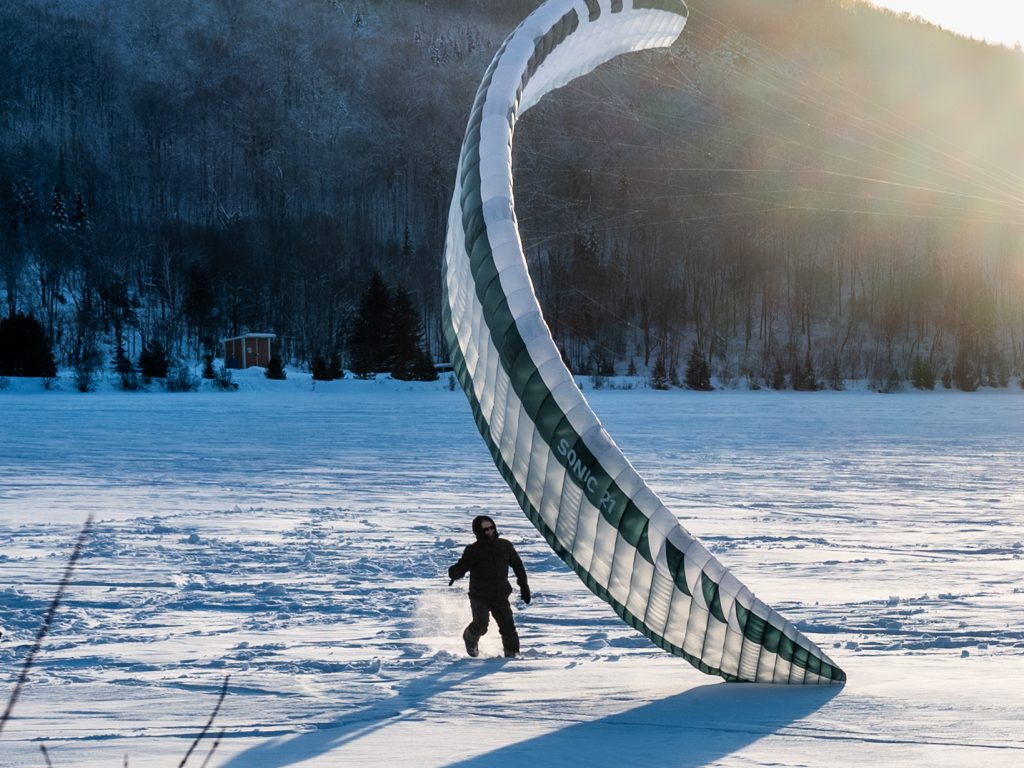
[524,592]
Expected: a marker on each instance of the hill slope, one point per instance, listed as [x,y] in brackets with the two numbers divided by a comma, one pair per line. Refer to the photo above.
[813,190]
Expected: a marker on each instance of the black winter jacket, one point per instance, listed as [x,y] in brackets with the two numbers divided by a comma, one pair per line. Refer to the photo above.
[487,561]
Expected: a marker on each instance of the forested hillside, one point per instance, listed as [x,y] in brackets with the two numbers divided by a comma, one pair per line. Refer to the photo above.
[808,190]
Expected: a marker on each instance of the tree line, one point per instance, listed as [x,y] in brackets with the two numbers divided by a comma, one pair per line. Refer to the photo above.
[766,192]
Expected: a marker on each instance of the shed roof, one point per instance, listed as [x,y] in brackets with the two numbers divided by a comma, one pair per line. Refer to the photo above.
[252,336]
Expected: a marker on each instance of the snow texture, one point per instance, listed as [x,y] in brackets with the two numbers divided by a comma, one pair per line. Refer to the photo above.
[296,538]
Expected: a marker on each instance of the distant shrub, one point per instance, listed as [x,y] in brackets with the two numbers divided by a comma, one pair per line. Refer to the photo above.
[85,378]
[223,380]
[997,372]
[4,382]
[727,376]
[893,383]
[208,372]
[181,380]
[130,381]
[803,377]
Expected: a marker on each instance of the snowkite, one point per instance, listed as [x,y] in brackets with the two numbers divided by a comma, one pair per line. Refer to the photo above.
[569,477]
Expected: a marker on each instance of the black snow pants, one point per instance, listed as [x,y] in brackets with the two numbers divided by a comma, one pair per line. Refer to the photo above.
[483,608]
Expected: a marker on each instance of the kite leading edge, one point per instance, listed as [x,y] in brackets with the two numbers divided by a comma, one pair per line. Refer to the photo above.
[569,477]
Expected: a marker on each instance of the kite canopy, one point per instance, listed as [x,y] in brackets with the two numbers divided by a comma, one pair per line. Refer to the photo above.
[569,477]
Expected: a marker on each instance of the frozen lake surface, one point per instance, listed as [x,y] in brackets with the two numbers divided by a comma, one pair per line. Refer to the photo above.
[297,540]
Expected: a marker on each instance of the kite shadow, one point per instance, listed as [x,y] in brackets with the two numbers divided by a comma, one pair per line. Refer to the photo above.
[690,729]
[359,723]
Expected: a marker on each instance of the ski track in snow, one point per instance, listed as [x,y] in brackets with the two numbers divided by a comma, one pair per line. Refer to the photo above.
[297,540]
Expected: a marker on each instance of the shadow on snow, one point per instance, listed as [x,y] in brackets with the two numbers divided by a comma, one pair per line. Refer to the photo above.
[690,729]
[360,723]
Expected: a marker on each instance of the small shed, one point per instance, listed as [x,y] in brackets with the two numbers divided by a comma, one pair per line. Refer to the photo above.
[247,350]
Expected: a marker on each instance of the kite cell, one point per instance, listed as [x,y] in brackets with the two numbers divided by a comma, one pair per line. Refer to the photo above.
[568,475]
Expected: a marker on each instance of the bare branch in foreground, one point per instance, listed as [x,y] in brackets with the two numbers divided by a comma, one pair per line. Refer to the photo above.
[214,747]
[45,628]
[216,709]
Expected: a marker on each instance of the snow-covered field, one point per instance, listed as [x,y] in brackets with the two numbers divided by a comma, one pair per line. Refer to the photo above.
[296,539]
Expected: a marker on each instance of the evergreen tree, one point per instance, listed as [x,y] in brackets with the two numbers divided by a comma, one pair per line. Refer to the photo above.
[835,375]
[778,380]
[275,367]
[659,375]
[368,343]
[424,370]
[922,374]
[404,335]
[58,210]
[24,348]
[121,363]
[79,217]
[698,375]
[20,213]
[965,373]
[409,361]
[128,377]
[803,376]
[154,361]
[321,370]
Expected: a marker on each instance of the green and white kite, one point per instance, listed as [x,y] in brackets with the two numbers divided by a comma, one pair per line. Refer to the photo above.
[570,478]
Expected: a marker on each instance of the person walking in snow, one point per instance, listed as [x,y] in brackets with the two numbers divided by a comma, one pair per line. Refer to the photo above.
[487,561]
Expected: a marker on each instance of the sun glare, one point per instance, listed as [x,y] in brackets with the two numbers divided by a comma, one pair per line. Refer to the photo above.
[993,20]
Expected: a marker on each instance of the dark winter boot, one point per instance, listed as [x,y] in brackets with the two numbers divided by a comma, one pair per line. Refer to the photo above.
[510,640]
[510,644]
[472,643]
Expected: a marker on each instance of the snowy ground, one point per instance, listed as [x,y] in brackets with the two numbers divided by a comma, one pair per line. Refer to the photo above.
[296,539]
